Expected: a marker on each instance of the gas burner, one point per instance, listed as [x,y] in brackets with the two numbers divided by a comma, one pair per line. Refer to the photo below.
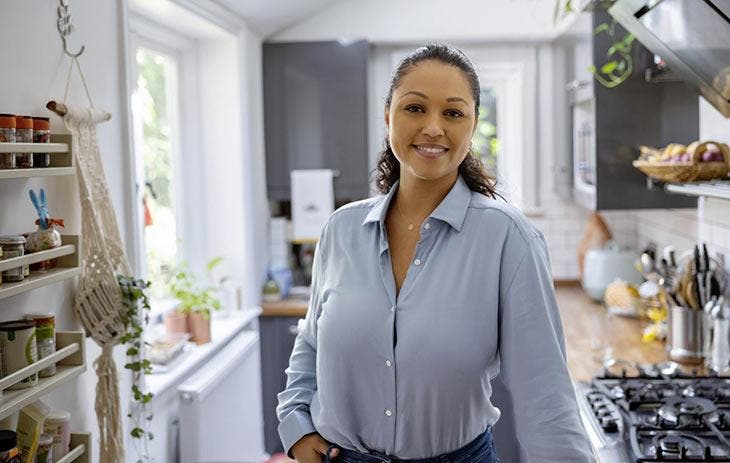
[678,445]
[688,411]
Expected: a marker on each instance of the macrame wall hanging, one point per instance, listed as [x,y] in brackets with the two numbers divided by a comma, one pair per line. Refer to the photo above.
[98,299]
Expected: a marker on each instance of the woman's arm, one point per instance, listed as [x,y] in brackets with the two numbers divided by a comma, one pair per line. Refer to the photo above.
[295,420]
[532,356]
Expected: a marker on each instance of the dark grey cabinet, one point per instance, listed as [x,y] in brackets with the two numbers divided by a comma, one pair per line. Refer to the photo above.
[636,112]
[277,341]
[315,114]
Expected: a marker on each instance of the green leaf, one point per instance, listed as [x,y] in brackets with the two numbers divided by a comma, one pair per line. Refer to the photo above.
[609,67]
[137,433]
[132,351]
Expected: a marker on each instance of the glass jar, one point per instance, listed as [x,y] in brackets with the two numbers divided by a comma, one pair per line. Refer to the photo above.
[7,135]
[13,246]
[41,134]
[45,338]
[9,447]
[41,240]
[44,454]
[23,134]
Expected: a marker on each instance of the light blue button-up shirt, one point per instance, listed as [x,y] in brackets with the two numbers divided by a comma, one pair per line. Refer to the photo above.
[411,376]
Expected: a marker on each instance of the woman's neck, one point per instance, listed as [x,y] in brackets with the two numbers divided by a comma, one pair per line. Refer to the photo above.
[418,198]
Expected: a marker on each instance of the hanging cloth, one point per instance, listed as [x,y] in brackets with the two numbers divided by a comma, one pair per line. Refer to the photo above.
[98,300]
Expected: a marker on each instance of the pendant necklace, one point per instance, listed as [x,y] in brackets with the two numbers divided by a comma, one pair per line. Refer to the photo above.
[397,207]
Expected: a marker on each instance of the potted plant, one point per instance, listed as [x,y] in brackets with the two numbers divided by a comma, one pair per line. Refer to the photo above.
[196,299]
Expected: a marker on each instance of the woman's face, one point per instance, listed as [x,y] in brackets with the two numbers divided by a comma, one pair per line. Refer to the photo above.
[431,120]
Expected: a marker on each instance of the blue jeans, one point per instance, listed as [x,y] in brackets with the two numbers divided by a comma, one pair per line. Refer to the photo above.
[480,450]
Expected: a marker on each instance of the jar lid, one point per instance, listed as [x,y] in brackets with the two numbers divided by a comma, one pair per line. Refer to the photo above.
[58,416]
[7,121]
[45,439]
[41,319]
[24,122]
[41,123]
[8,440]
[15,325]
[12,239]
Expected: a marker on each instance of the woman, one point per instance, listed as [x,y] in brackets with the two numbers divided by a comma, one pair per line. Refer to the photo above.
[421,296]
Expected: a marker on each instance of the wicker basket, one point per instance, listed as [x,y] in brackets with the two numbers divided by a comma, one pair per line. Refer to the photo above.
[688,171]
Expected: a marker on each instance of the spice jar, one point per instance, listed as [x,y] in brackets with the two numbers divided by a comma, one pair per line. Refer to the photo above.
[12,246]
[58,425]
[44,454]
[45,338]
[18,350]
[9,447]
[41,134]
[7,135]
[23,134]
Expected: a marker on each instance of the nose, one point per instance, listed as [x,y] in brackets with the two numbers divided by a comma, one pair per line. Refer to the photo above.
[433,127]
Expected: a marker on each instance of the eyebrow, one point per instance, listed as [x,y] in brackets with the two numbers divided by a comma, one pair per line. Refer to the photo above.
[450,99]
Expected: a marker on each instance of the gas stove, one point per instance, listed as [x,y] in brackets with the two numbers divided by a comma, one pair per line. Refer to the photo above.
[656,413]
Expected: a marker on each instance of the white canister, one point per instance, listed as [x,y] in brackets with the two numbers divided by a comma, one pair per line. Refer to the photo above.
[18,350]
[58,425]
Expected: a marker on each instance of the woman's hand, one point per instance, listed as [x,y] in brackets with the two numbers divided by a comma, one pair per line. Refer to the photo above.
[312,448]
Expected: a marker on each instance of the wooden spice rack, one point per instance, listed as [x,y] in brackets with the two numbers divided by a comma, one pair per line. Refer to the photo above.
[80,449]
[60,149]
[70,361]
[68,255]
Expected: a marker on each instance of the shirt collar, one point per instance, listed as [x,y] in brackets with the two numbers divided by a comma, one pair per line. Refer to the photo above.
[451,210]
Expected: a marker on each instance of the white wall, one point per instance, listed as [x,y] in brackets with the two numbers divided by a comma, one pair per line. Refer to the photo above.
[33,71]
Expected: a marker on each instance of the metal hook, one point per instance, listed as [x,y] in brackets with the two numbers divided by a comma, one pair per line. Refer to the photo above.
[65,27]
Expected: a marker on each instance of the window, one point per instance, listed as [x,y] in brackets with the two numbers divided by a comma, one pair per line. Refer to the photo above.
[485,142]
[154,110]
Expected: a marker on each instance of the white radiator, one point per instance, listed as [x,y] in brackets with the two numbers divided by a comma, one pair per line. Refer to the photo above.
[221,418]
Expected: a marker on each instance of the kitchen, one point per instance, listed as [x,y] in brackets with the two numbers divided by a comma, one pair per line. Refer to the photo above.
[238,80]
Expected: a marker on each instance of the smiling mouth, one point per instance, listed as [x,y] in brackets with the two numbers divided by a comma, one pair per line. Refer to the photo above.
[430,152]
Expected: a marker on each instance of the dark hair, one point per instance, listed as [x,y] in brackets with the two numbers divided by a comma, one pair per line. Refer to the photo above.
[471,168]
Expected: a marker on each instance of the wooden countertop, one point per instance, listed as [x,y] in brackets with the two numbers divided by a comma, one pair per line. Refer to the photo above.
[585,321]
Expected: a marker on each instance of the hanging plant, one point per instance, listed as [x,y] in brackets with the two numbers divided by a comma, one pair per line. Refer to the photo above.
[136,301]
[619,65]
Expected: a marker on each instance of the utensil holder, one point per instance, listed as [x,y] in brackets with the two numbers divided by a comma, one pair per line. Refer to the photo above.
[684,340]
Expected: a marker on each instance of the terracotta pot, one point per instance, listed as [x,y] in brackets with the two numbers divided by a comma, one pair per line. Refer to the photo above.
[176,323]
[199,328]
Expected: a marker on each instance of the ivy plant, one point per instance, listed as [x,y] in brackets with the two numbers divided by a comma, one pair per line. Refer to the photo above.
[619,62]
[137,305]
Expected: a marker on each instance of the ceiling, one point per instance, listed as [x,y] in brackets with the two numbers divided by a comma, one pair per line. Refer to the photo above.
[270,16]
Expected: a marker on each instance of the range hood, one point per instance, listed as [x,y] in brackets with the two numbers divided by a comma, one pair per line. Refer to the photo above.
[692,36]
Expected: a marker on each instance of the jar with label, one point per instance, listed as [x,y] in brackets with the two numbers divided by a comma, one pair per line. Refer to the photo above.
[58,425]
[13,246]
[44,454]
[23,134]
[7,135]
[41,134]
[18,350]
[9,447]
[45,338]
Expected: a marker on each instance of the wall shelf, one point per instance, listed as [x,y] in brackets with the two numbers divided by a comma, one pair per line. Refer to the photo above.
[70,363]
[62,160]
[67,267]
[714,189]
[80,449]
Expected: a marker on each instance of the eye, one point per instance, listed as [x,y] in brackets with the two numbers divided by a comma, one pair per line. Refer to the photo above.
[413,108]
[454,113]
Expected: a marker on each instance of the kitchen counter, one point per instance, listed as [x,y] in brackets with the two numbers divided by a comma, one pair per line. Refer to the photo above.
[285,308]
[585,321]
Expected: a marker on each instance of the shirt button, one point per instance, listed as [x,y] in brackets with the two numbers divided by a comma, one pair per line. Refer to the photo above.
[392,309]
[387,363]
[388,413]
[417,261]
[427,226]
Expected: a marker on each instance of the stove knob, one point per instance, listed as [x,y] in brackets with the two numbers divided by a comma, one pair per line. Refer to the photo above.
[609,424]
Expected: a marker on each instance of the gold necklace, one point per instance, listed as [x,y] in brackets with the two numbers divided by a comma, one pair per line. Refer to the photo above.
[397,207]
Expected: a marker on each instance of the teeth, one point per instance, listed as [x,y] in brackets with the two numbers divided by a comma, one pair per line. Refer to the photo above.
[431,150]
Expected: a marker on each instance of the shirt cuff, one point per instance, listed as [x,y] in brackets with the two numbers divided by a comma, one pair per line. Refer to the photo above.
[293,427]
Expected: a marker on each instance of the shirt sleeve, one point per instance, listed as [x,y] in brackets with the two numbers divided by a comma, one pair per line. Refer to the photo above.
[532,360]
[295,420]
